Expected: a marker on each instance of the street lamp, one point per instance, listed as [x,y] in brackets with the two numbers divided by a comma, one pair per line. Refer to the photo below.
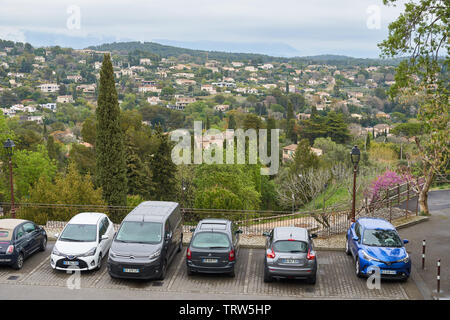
[9,146]
[355,155]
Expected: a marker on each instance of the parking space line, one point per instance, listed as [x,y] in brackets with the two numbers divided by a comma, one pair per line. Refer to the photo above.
[36,268]
[247,272]
[175,275]
[100,277]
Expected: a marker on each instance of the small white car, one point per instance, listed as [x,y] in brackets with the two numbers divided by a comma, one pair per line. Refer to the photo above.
[83,243]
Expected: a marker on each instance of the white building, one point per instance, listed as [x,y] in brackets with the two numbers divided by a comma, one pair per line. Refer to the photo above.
[49,87]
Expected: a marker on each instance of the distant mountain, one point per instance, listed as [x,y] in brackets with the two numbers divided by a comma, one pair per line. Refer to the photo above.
[271,49]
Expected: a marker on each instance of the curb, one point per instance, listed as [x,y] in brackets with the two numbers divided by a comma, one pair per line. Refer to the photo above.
[412,223]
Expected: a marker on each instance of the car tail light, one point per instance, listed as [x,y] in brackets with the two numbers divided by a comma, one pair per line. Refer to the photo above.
[311,255]
[231,255]
[189,254]
[10,250]
[271,254]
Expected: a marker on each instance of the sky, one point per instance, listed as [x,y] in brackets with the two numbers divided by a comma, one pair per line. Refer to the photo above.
[282,27]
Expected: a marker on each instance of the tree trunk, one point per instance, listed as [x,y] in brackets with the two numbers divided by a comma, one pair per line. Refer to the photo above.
[423,194]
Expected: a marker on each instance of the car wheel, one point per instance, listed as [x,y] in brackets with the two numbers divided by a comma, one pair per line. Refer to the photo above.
[19,262]
[99,262]
[347,249]
[358,268]
[267,276]
[43,245]
[189,272]
[163,271]
[311,280]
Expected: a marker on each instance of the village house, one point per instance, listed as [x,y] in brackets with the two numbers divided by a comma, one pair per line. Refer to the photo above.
[87,88]
[208,88]
[145,61]
[382,115]
[182,102]
[154,100]
[185,82]
[222,107]
[65,99]
[49,87]
[289,152]
[39,59]
[75,78]
[49,106]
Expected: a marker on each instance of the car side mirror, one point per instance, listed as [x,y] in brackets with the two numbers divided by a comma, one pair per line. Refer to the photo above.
[266,234]
[405,241]
[192,229]
[104,237]
[56,235]
[355,238]
[239,231]
[313,236]
[168,236]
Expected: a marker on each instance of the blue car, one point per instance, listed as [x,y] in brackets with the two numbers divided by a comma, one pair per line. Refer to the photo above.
[374,242]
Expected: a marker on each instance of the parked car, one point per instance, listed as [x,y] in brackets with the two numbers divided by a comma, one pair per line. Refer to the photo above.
[147,241]
[214,247]
[290,254]
[19,239]
[374,242]
[83,243]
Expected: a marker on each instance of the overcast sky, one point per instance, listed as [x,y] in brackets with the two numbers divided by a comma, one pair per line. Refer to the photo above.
[349,27]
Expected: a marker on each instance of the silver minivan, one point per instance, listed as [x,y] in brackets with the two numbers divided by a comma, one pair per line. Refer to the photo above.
[290,254]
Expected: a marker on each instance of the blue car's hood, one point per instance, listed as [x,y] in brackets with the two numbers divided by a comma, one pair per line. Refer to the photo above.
[385,253]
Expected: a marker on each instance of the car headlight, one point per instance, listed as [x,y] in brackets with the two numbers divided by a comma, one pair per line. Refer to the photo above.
[405,259]
[155,255]
[89,253]
[368,257]
[56,252]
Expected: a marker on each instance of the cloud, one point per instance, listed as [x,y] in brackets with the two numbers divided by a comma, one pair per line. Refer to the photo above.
[294,22]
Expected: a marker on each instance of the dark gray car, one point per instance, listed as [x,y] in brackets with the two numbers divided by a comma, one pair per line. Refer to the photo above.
[147,240]
[214,247]
[290,254]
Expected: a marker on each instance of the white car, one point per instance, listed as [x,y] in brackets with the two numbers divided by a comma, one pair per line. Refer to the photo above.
[83,243]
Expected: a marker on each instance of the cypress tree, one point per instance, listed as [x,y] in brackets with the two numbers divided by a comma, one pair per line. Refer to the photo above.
[110,154]
[163,169]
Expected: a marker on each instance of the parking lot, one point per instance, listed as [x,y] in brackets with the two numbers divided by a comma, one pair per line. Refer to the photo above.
[336,280]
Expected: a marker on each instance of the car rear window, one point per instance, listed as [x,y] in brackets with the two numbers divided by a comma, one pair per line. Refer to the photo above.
[5,235]
[207,240]
[290,246]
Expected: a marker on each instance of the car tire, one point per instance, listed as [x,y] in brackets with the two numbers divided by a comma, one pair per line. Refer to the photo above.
[189,272]
[99,262]
[43,245]
[312,279]
[358,268]
[267,277]
[163,271]
[19,262]
[232,274]
[347,249]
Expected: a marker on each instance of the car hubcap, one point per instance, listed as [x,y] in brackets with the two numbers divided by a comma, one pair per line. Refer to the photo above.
[20,261]
[357,267]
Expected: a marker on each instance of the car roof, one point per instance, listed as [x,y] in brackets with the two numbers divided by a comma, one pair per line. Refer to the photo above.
[10,224]
[87,218]
[156,211]
[284,233]
[211,224]
[375,223]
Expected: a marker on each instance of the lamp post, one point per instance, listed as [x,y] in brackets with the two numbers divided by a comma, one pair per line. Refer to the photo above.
[355,155]
[9,145]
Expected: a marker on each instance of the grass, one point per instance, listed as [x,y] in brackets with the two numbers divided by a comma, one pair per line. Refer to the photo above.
[444,186]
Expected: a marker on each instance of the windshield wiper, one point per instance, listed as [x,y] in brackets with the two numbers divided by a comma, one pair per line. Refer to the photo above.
[69,239]
[296,251]
[218,247]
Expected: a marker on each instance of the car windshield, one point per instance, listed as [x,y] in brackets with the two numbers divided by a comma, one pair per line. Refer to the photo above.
[209,240]
[140,232]
[381,238]
[5,235]
[290,246]
[79,233]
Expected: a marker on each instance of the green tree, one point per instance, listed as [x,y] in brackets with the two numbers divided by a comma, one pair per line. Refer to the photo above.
[421,33]
[110,153]
[163,169]
[68,188]
[304,158]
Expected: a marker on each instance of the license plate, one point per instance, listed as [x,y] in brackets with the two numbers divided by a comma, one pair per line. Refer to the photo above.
[388,272]
[210,260]
[131,270]
[70,263]
[290,261]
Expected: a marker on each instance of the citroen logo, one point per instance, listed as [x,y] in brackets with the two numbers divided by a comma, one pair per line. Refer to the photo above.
[131,257]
